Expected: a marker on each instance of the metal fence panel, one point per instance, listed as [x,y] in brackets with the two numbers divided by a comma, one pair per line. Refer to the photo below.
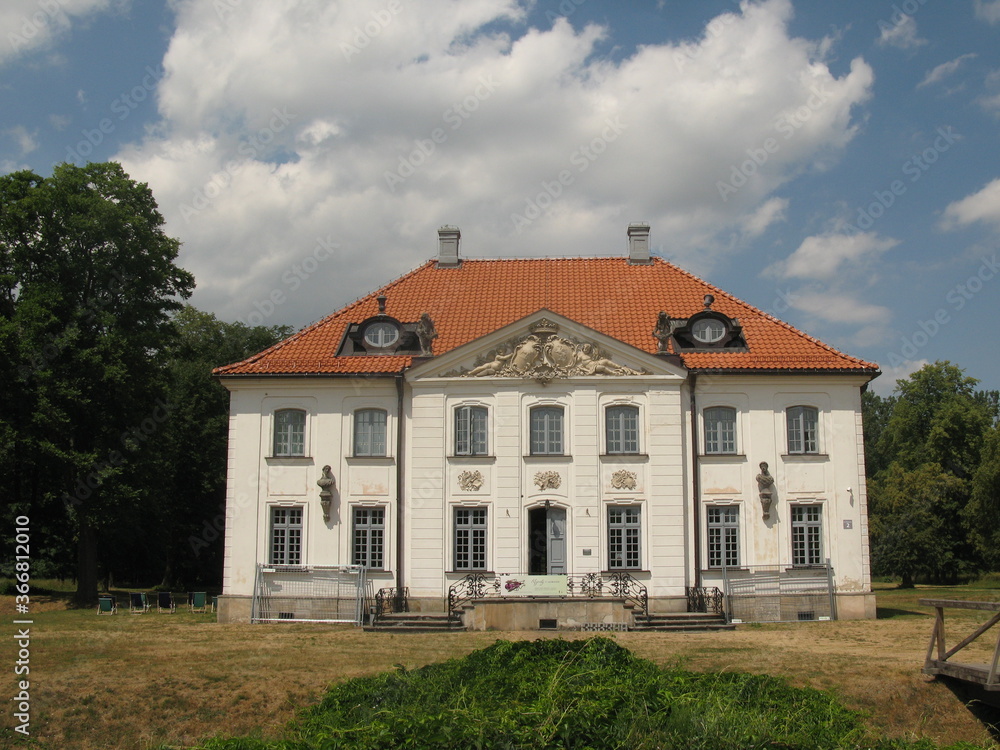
[310,593]
[775,593]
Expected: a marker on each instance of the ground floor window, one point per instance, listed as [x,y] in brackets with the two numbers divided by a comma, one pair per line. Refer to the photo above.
[624,538]
[723,536]
[470,538]
[807,535]
[369,538]
[286,536]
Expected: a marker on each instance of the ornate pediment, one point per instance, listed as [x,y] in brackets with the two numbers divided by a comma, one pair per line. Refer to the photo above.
[543,355]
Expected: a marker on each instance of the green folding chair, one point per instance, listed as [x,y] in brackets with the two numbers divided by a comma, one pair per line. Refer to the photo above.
[138,602]
[106,605]
[198,601]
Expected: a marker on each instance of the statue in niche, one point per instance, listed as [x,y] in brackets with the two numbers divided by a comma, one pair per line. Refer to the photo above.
[426,333]
[765,487]
[664,329]
[326,484]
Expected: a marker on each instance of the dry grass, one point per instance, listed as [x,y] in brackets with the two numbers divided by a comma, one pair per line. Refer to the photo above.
[133,682]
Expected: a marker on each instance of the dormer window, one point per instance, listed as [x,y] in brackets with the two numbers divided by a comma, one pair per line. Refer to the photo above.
[708,330]
[380,335]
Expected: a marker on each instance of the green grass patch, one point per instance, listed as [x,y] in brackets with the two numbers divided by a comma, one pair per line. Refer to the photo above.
[569,694]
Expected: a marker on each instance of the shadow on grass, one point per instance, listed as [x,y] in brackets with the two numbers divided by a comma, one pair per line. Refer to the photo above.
[887,613]
[974,698]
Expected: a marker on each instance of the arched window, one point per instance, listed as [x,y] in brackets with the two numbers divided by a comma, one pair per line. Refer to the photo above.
[803,429]
[621,427]
[720,429]
[369,432]
[289,432]
[470,431]
[546,426]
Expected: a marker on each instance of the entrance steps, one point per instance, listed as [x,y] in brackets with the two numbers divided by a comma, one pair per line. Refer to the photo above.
[681,622]
[415,622]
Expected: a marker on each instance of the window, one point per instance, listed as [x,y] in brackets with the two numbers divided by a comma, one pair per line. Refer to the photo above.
[369,432]
[381,335]
[723,536]
[720,430]
[289,432]
[286,536]
[708,330]
[546,430]
[622,429]
[624,546]
[369,538]
[470,431]
[803,423]
[470,538]
[807,535]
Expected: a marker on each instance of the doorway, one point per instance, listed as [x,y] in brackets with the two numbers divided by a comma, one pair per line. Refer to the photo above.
[546,541]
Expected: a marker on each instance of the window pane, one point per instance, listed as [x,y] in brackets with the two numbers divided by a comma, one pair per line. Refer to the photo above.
[624,538]
[470,538]
[622,427]
[723,536]
[289,432]
[807,535]
[720,430]
[286,536]
[546,426]
[470,430]
[369,432]
[369,537]
[803,429]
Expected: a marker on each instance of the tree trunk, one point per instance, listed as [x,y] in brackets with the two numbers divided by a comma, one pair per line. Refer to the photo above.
[86,564]
[907,582]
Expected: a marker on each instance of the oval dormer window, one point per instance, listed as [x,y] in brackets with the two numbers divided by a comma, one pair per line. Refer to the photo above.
[708,330]
[381,335]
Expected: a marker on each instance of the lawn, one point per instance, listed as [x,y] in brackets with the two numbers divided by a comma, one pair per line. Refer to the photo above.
[135,681]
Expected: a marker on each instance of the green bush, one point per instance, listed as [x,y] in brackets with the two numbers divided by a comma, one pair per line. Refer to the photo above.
[568,694]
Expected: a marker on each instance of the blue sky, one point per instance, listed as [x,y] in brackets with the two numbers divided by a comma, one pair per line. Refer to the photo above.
[834,164]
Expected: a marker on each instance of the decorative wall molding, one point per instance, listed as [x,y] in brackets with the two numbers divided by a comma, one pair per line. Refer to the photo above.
[623,480]
[470,481]
[548,480]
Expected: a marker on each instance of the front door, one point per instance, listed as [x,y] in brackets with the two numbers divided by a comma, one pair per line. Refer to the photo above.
[547,541]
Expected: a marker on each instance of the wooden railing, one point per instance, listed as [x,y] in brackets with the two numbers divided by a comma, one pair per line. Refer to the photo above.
[938,654]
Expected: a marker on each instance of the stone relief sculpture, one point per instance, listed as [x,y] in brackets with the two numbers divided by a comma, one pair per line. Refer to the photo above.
[470,481]
[543,356]
[326,484]
[765,488]
[548,480]
[426,333]
[623,480]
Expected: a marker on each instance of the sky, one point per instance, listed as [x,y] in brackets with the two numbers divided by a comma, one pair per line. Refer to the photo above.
[833,164]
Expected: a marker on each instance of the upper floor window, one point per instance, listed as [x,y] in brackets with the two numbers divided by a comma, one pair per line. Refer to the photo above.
[720,430]
[470,431]
[803,429]
[622,429]
[289,432]
[369,432]
[547,430]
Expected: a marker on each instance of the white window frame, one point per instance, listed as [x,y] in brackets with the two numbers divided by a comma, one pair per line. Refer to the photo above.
[563,431]
[624,447]
[286,536]
[276,433]
[356,426]
[474,446]
[729,531]
[468,530]
[370,528]
[621,530]
[796,431]
[813,544]
[718,447]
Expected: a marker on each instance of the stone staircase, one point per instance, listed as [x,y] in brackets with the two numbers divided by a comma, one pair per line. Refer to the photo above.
[415,622]
[681,622]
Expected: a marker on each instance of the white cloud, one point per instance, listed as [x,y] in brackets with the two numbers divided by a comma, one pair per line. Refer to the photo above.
[988,10]
[944,70]
[981,206]
[385,131]
[35,24]
[840,308]
[902,33]
[823,256]
[885,384]
[25,140]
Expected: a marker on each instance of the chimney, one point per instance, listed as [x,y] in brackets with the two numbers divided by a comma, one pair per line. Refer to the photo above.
[638,244]
[448,239]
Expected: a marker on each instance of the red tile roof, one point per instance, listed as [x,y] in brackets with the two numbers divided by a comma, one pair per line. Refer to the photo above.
[607,294]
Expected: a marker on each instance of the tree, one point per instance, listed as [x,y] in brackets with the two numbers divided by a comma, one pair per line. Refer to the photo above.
[87,286]
[982,514]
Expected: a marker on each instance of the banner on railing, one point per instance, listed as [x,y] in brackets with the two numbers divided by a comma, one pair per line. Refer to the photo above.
[512,585]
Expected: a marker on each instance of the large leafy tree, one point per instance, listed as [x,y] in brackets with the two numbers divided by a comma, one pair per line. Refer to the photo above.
[87,286]
[982,514]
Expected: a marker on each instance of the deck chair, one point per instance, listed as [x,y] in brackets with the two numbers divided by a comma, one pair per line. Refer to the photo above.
[138,602]
[198,601]
[106,605]
[165,602]
[215,603]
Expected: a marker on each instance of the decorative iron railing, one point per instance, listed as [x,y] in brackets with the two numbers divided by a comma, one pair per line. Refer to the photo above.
[705,599]
[620,585]
[391,600]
